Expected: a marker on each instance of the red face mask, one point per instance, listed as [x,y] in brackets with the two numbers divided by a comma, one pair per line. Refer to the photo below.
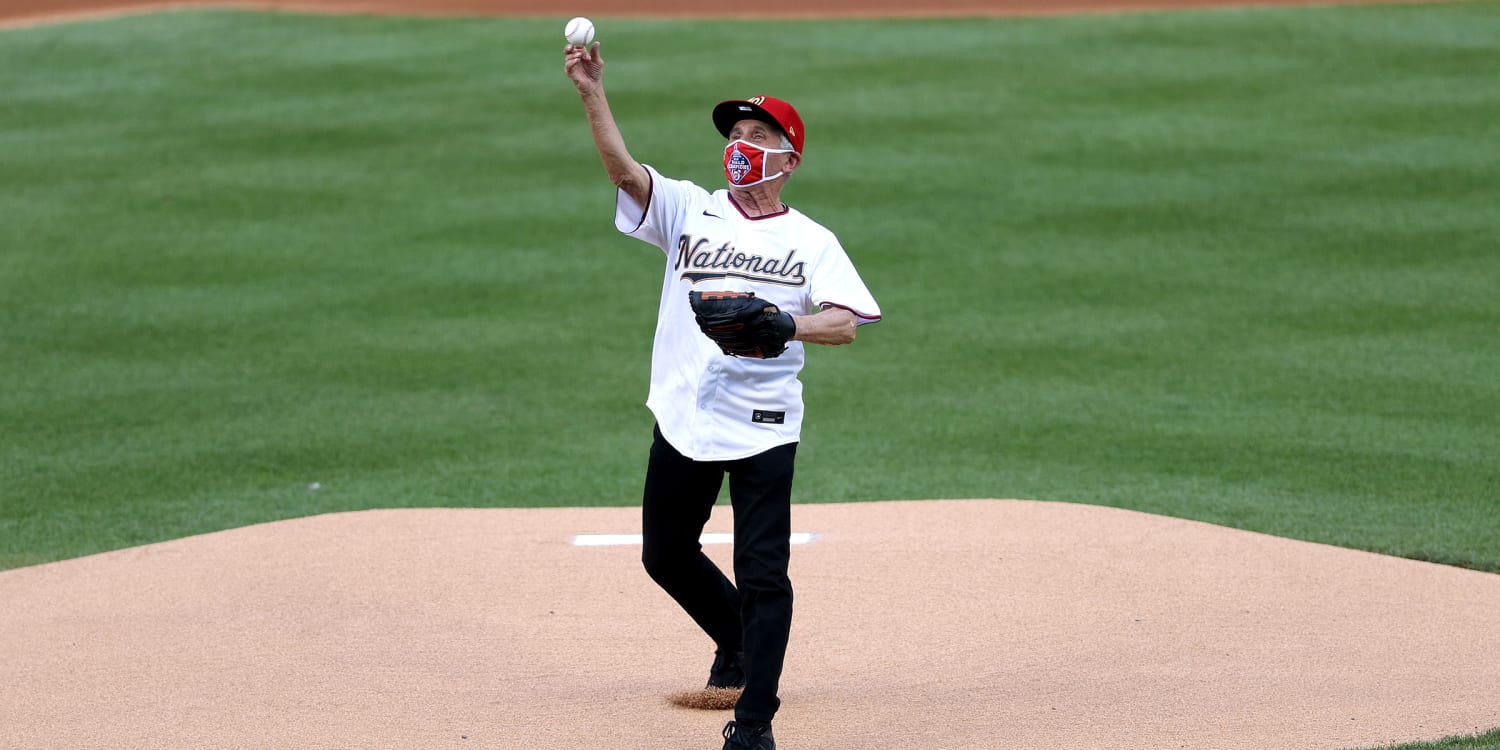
[745,163]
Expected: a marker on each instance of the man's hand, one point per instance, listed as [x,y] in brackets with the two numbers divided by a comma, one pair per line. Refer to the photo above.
[584,66]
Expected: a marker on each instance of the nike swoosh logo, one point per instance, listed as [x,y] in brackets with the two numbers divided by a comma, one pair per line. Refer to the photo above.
[716,216]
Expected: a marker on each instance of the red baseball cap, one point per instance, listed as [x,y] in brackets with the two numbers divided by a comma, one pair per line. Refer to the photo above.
[764,108]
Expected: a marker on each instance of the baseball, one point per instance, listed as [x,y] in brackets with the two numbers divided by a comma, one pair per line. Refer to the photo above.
[580,31]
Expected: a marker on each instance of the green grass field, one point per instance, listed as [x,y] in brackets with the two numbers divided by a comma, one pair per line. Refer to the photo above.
[1238,267]
[1231,266]
[1486,741]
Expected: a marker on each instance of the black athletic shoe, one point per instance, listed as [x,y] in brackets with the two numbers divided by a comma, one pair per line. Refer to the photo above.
[728,670]
[739,736]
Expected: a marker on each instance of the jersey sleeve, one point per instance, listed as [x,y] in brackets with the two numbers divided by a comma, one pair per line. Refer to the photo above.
[659,222]
[836,283]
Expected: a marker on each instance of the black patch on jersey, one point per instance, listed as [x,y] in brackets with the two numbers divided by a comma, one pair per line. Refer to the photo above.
[768,417]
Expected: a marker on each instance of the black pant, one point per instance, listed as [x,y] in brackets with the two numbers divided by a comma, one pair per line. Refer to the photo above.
[756,618]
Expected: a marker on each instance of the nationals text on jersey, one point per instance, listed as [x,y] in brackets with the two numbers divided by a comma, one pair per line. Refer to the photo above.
[693,254]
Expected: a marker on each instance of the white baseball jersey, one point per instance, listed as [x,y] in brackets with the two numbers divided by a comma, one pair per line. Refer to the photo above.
[711,406]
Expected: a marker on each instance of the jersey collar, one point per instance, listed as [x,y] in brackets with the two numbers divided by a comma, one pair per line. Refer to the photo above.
[785,209]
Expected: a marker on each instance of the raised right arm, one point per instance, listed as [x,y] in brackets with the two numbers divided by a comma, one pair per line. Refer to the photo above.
[585,68]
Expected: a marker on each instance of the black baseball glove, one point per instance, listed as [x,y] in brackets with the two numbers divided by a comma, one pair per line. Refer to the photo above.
[741,324]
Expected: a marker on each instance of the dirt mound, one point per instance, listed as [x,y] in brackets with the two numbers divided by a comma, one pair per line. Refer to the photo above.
[944,624]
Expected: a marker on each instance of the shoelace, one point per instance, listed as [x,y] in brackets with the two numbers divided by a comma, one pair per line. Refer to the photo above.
[745,738]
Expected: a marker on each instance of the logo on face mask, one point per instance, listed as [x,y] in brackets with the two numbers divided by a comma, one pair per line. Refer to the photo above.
[737,165]
[745,163]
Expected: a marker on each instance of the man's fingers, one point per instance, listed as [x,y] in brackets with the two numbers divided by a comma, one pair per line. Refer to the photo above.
[579,58]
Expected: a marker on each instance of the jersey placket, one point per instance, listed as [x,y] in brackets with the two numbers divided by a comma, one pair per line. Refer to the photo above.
[708,396]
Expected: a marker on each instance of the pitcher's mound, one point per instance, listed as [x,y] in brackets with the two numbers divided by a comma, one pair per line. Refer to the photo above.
[920,625]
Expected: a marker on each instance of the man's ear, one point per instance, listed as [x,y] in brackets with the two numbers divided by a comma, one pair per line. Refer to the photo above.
[792,160]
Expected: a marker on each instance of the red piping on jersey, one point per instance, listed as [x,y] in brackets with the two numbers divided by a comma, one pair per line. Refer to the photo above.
[785,209]
[857,314]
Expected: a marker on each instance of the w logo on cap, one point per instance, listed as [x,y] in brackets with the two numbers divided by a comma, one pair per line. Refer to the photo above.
[738,166]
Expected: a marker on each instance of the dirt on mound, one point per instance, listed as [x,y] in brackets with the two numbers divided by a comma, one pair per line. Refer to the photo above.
[944,624]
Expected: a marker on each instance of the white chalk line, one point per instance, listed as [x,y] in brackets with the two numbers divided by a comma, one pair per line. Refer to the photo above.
[623,540]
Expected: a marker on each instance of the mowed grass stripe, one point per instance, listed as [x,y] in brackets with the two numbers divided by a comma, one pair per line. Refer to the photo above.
[1486,741]
[1230,266]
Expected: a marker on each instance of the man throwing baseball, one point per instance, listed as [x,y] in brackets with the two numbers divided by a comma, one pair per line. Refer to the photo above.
[748,282]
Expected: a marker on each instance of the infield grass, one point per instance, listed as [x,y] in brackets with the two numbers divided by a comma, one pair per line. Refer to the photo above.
[1237,267]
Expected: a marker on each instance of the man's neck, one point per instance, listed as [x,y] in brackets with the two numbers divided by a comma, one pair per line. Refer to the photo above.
[758,201]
